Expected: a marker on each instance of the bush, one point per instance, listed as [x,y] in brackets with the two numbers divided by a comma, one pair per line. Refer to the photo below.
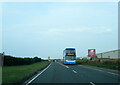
[10,61]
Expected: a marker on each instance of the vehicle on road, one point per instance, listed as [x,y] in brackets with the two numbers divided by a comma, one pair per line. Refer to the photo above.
[54,60]
[69,56]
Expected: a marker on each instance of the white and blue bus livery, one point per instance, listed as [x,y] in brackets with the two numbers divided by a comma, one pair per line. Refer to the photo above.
[69,56]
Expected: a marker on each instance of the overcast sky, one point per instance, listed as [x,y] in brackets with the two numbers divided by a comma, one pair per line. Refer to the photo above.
[46,28]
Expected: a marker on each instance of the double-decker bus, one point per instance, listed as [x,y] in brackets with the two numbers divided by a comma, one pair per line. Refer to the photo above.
[69,56]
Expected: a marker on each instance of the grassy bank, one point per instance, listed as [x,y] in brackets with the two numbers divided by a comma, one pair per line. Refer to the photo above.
[104,64]
[13,74]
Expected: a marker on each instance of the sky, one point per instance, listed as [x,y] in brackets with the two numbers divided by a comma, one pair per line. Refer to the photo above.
[59,0]
[46,28]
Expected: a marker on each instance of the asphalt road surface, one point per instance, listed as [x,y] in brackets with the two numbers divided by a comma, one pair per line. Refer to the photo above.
[58,73]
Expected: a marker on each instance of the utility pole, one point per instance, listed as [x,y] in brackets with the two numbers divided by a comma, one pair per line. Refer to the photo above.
[1,64]
[101,55]
[3,57]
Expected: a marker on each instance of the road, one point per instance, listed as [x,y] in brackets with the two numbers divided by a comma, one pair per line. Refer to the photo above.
[58,73]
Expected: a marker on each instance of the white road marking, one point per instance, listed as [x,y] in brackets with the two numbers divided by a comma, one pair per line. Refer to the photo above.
[66,66]
[113,73]
[74,71]
[92,83]
[38,74]
[99,70]
[63,65]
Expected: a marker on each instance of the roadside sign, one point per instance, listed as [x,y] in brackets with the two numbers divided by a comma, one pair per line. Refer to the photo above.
[91,52]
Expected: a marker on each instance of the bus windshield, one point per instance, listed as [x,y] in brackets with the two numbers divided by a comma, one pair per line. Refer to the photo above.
[70,51]
[70,57]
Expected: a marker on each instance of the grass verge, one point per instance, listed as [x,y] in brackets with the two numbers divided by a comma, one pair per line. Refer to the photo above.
[105,64]
[14,74]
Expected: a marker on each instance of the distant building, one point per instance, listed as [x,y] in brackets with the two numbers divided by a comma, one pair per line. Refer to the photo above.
[78,57]
[114,54]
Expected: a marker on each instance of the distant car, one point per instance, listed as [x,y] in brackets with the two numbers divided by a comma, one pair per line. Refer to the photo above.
[53,60]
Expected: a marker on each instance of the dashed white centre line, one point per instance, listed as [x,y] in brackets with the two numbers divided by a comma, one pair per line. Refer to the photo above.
[74,71]
[63,65]
[92,83]
[66,66]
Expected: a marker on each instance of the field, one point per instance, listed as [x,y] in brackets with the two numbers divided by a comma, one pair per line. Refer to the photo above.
[104,64]
[14,74]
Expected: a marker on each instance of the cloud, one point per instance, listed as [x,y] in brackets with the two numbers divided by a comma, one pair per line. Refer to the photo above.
[58,31]
[36,29]
[108,30]
[68,30]
[1,10]
[102,30]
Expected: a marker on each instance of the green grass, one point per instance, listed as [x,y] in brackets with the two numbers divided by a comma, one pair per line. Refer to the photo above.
[13,74]
[0,74]
[105,64]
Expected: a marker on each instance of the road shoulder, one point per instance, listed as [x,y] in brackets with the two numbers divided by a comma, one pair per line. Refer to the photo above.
[102,69]
[34,75]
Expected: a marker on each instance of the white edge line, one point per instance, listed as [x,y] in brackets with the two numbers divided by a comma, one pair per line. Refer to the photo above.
[74,71]
[92,83]
[113,73]
[100,70]
[38,74]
